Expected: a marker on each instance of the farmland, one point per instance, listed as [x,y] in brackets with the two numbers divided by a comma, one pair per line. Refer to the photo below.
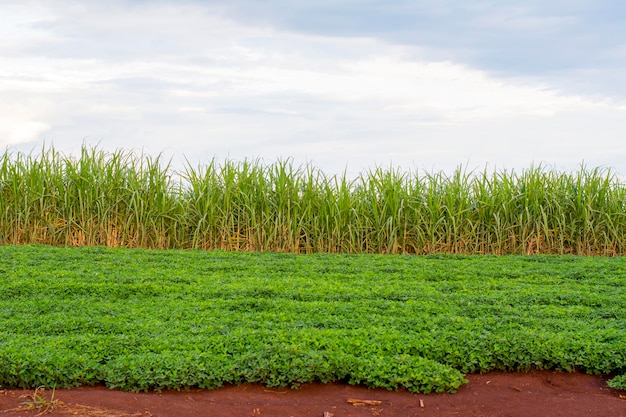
[117,270]
[139,319]
[122,199]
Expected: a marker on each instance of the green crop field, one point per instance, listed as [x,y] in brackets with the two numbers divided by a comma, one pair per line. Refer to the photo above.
[244,272]
[140,319]
[129,200]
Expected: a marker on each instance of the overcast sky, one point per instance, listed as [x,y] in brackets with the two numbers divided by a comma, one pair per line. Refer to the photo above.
[420,84]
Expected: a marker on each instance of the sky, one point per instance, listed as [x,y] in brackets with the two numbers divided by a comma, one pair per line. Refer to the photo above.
[343,85]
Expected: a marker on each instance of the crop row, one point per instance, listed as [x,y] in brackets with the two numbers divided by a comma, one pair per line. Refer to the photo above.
[140,319]
[122,199]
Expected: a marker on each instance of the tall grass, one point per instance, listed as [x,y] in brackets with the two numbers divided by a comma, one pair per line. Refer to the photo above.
[125,199]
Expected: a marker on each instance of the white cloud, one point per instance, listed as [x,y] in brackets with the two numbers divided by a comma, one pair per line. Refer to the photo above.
[21,131]
[182,79]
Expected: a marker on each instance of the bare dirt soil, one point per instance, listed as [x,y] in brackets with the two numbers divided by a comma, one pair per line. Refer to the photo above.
[534,394]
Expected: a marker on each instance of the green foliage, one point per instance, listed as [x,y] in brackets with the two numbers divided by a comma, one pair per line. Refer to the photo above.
[123,199]
[150,320]
[618,382]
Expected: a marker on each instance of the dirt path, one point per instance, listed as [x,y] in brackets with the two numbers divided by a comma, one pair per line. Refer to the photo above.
[535,394]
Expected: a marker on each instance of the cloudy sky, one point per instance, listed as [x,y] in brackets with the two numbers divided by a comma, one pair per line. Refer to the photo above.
[341,84]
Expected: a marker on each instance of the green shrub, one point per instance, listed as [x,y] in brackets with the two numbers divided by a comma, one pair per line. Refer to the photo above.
[618,382]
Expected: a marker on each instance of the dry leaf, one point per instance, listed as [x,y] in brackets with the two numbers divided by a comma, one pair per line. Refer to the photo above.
[357,403]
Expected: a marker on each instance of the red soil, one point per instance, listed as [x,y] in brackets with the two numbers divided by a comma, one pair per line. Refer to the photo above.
[534,394]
